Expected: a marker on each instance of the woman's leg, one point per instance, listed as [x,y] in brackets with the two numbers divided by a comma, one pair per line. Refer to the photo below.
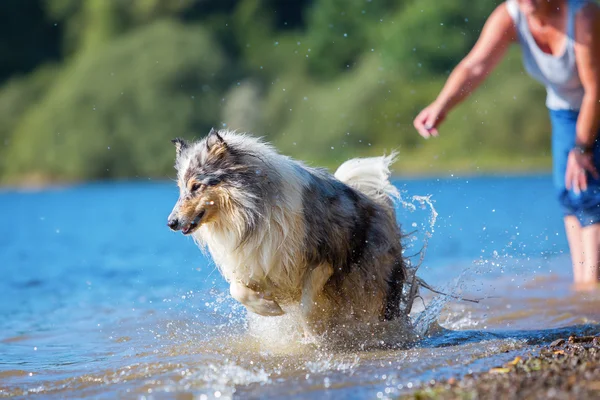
[574,236]
[584,242]
[590,236]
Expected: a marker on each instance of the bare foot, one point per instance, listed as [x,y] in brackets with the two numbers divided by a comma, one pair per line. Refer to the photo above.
[586,286]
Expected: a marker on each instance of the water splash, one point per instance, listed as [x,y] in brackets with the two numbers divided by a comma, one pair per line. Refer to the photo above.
[426,200]
[425,321]
[283,334]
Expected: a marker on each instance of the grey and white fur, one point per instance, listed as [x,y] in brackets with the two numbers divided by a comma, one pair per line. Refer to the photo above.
[284,234]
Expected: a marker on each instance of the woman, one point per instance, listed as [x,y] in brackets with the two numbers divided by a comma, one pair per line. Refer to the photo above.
[560,40]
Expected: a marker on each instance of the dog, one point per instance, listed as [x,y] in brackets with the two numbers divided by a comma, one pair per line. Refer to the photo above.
[284,234]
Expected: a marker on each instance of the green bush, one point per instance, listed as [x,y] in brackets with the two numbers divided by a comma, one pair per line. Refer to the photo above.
[112,112]
[17,96]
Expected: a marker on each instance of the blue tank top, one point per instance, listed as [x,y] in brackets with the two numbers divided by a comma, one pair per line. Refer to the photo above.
[558,73]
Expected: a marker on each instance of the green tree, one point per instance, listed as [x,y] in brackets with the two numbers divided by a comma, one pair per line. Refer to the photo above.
[111,113]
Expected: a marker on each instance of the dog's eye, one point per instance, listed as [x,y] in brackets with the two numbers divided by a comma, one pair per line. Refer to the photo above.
[196,186]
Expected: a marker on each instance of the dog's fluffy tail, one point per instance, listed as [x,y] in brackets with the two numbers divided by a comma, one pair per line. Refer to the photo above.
[370,176]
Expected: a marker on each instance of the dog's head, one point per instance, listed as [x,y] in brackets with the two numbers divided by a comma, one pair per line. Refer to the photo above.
[208,172]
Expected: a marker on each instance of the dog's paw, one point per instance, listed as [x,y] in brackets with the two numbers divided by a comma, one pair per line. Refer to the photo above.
[256,302]
[264,307]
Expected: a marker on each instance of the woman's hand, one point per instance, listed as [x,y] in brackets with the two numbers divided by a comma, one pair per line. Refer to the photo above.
[497,35]
[429,119]
[578,164]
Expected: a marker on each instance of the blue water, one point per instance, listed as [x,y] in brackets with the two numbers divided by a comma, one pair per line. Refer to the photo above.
[94,285]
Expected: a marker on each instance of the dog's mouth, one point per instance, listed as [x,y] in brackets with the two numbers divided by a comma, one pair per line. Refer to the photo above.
[192,226]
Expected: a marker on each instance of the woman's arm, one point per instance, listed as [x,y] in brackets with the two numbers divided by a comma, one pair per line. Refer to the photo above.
[587,54]
[497,34]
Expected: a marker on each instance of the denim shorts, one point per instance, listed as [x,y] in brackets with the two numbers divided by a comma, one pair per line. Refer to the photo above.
[585,205]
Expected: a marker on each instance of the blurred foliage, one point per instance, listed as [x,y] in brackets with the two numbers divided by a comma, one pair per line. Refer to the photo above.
[95,89]
[111,112]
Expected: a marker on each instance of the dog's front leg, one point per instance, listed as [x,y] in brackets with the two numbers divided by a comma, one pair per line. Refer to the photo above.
[257,302]
[316,308]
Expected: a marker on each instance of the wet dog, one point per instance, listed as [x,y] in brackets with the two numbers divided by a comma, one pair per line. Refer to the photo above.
[284,234]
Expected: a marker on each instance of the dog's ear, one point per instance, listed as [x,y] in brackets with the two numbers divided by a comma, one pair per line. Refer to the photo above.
[215,142]
[180,145]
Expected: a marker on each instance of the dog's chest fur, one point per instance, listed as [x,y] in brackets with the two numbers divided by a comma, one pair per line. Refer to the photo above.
[273,257]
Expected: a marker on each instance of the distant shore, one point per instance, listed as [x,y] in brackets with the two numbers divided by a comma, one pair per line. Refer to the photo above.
[409,168]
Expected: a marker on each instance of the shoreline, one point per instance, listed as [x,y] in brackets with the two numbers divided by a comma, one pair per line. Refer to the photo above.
[567,368]
[419,165]
[35,185]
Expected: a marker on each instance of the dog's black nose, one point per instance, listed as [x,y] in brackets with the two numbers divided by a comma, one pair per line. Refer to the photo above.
[173,223]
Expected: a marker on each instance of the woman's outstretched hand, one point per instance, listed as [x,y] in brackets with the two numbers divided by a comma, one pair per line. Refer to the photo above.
[428,120]
[577,166]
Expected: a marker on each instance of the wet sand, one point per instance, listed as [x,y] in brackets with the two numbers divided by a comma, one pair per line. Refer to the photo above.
[568,368]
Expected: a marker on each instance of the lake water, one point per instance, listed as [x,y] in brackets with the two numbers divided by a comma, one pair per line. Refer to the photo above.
[99,299]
